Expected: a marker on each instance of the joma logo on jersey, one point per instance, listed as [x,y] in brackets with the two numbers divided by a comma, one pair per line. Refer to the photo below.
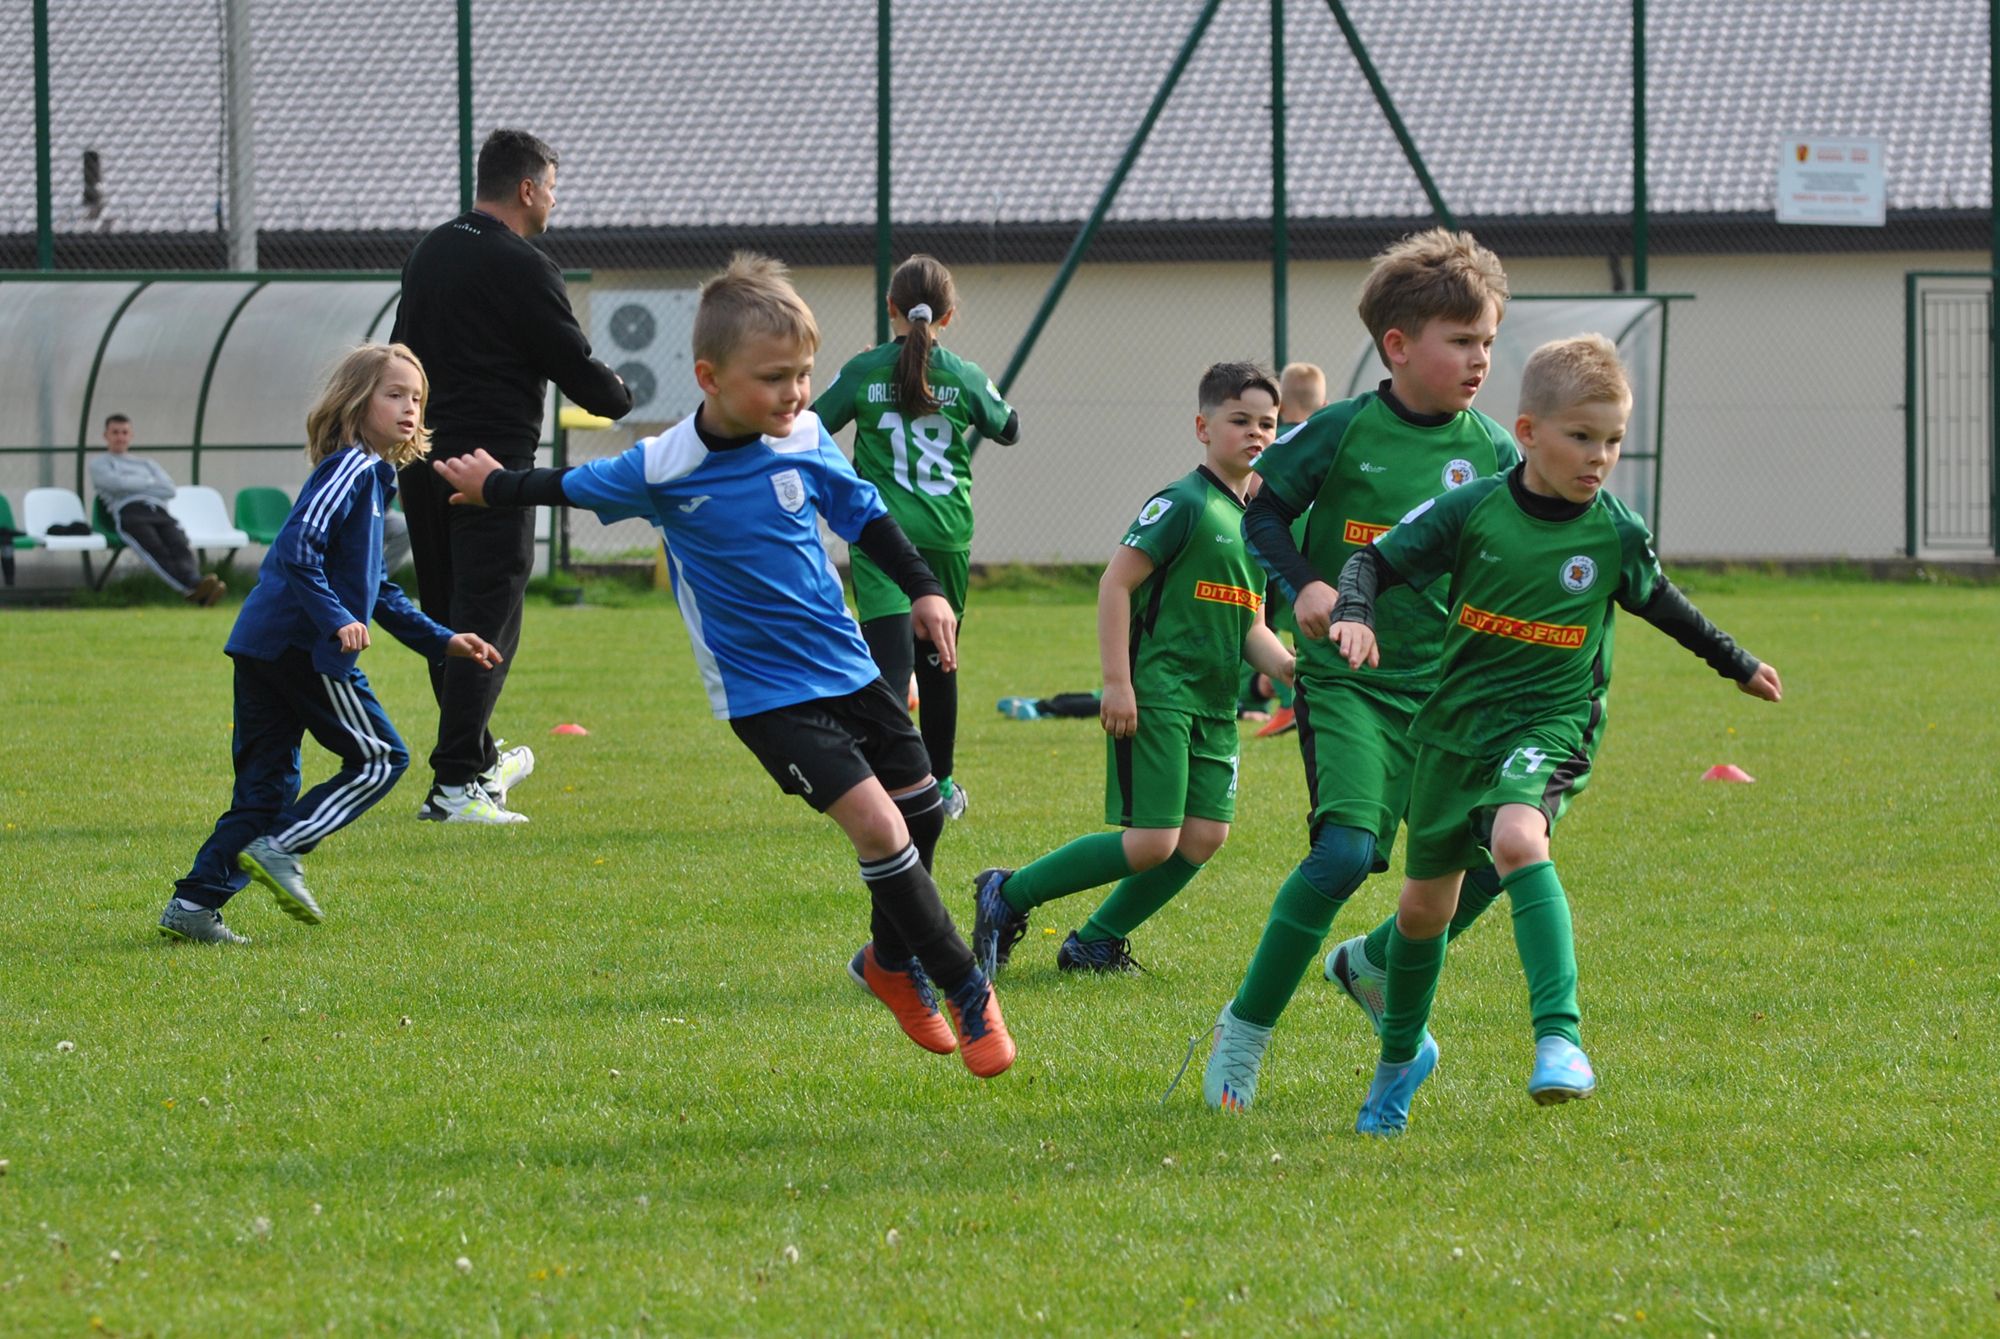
[1362,532]
[1218,593]
[1568,636]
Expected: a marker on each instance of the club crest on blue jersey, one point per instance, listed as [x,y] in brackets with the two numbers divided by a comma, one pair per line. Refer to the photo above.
[1578,573]
[1457,472]
[791,489]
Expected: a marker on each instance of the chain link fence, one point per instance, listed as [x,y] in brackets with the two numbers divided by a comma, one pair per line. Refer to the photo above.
[688,131]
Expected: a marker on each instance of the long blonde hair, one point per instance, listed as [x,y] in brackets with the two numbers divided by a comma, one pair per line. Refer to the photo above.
[334,422]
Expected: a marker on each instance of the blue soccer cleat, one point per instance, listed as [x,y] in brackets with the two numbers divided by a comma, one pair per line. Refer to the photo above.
[1562,1072]
[996,926]
[1363,982]
[1229,1081]
[1019,708]
[1386,1109]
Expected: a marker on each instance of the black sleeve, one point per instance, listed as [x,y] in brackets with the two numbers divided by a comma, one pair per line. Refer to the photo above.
[1361,580]
[1267,529]
[1011,433]
[560,350]
[526,488]
[1674,614]
[890,549]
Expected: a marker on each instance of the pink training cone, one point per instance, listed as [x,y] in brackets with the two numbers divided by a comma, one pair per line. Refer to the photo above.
[572,728]
[1726,771]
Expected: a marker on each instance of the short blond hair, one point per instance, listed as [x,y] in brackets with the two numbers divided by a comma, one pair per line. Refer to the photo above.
[1303,381]
[1583,369]
[334,422]
[752,296]
[1428,276]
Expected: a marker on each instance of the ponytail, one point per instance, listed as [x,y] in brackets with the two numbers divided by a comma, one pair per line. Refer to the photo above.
[921,289]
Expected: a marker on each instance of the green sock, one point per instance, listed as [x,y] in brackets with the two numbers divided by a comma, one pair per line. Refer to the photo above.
[1136,898]
[1083,863]
[1300,918]
[1414,966]
[1481,886]
[944,786]
[1547,947]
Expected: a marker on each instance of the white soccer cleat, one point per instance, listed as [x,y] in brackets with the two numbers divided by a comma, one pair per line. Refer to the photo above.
[514,767]
[466,804]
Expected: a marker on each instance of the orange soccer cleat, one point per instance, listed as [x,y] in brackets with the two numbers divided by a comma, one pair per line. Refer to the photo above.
[983,1041]
[910,997]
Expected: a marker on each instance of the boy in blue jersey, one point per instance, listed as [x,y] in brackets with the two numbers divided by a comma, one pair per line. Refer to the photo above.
[295,643]
[737,491]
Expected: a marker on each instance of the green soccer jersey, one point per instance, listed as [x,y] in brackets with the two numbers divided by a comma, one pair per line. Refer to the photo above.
[1189,618]
[1360,464]
[1531,589]
[921,464]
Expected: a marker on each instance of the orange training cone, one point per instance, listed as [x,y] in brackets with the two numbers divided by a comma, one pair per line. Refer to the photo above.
[569,728]
[1725,771]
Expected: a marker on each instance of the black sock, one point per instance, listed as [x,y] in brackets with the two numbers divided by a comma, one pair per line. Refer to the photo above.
[890,647]
[923,815]
[905,897]
[939,717]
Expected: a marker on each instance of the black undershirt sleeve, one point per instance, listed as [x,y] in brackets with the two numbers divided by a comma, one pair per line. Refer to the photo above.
[1361,580]
[1267,528]
[1010,434]
[1674,614]
[526,488]
[885,545]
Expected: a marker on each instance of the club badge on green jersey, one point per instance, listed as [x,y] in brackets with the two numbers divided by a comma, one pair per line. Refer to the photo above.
[1578,573]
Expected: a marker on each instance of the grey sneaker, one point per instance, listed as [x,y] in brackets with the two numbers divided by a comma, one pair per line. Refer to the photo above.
[179,925]
[514,767]
[466,804]
[281,872]
[956,803]
[1348,967]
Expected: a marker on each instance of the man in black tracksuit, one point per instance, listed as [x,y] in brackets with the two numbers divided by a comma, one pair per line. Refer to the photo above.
[488,315]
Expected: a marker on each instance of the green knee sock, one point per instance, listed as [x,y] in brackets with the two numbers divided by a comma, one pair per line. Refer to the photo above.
[1300,918]
[1414,966]
[1477,893]
[1547,947]
[1083,863]
[1137,897]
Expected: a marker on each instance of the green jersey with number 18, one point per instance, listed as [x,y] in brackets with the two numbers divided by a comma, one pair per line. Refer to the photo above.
[1360,464]
[921,464]
[1189,618]
[1531,581]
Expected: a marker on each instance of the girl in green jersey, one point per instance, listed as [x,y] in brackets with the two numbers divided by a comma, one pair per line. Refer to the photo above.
[915,406]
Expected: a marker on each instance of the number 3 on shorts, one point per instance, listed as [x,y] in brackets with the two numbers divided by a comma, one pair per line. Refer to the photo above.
[1531,760]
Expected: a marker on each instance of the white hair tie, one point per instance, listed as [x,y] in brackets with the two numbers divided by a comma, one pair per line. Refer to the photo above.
[920,312]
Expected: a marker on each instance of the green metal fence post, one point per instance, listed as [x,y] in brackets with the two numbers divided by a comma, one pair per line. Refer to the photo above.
[1110,193]
[1993,291]
[45,234]
[1281,242]
[464,105]
[883,257]
[1910,415]
[1641,205]
[1388,106]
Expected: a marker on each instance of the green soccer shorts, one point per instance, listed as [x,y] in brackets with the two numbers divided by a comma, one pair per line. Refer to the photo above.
[1355,741]
[1178,766]
[876,596]
[1453,798]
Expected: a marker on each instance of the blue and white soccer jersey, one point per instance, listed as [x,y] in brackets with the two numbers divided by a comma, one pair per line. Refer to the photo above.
[760,597]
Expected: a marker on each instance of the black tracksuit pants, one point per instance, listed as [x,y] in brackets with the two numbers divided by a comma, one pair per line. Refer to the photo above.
[472,566]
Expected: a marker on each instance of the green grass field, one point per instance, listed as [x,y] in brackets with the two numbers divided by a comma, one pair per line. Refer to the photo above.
[611,1060]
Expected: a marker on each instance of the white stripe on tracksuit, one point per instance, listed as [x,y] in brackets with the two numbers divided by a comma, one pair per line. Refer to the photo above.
[336,488]
[370,784]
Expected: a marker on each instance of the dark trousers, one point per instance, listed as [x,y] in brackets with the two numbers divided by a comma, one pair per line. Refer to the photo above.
[472,566]
[277,703]
[149,531]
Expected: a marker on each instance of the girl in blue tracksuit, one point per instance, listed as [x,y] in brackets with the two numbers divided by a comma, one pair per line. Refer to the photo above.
[294,648]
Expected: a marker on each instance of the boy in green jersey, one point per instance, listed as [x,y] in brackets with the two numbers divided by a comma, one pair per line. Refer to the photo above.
[1176,610]
[1301,394]
[1535,561]
[915,405]
[1432,305]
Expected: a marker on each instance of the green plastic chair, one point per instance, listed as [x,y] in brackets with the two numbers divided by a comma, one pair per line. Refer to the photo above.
[102,522]
[20,541]
[261,512]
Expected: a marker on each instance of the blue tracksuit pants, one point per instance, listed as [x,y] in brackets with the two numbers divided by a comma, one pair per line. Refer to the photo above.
[277,703]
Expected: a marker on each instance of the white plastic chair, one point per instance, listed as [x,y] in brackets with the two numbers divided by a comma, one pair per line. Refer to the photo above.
[44,507]
[205,518]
